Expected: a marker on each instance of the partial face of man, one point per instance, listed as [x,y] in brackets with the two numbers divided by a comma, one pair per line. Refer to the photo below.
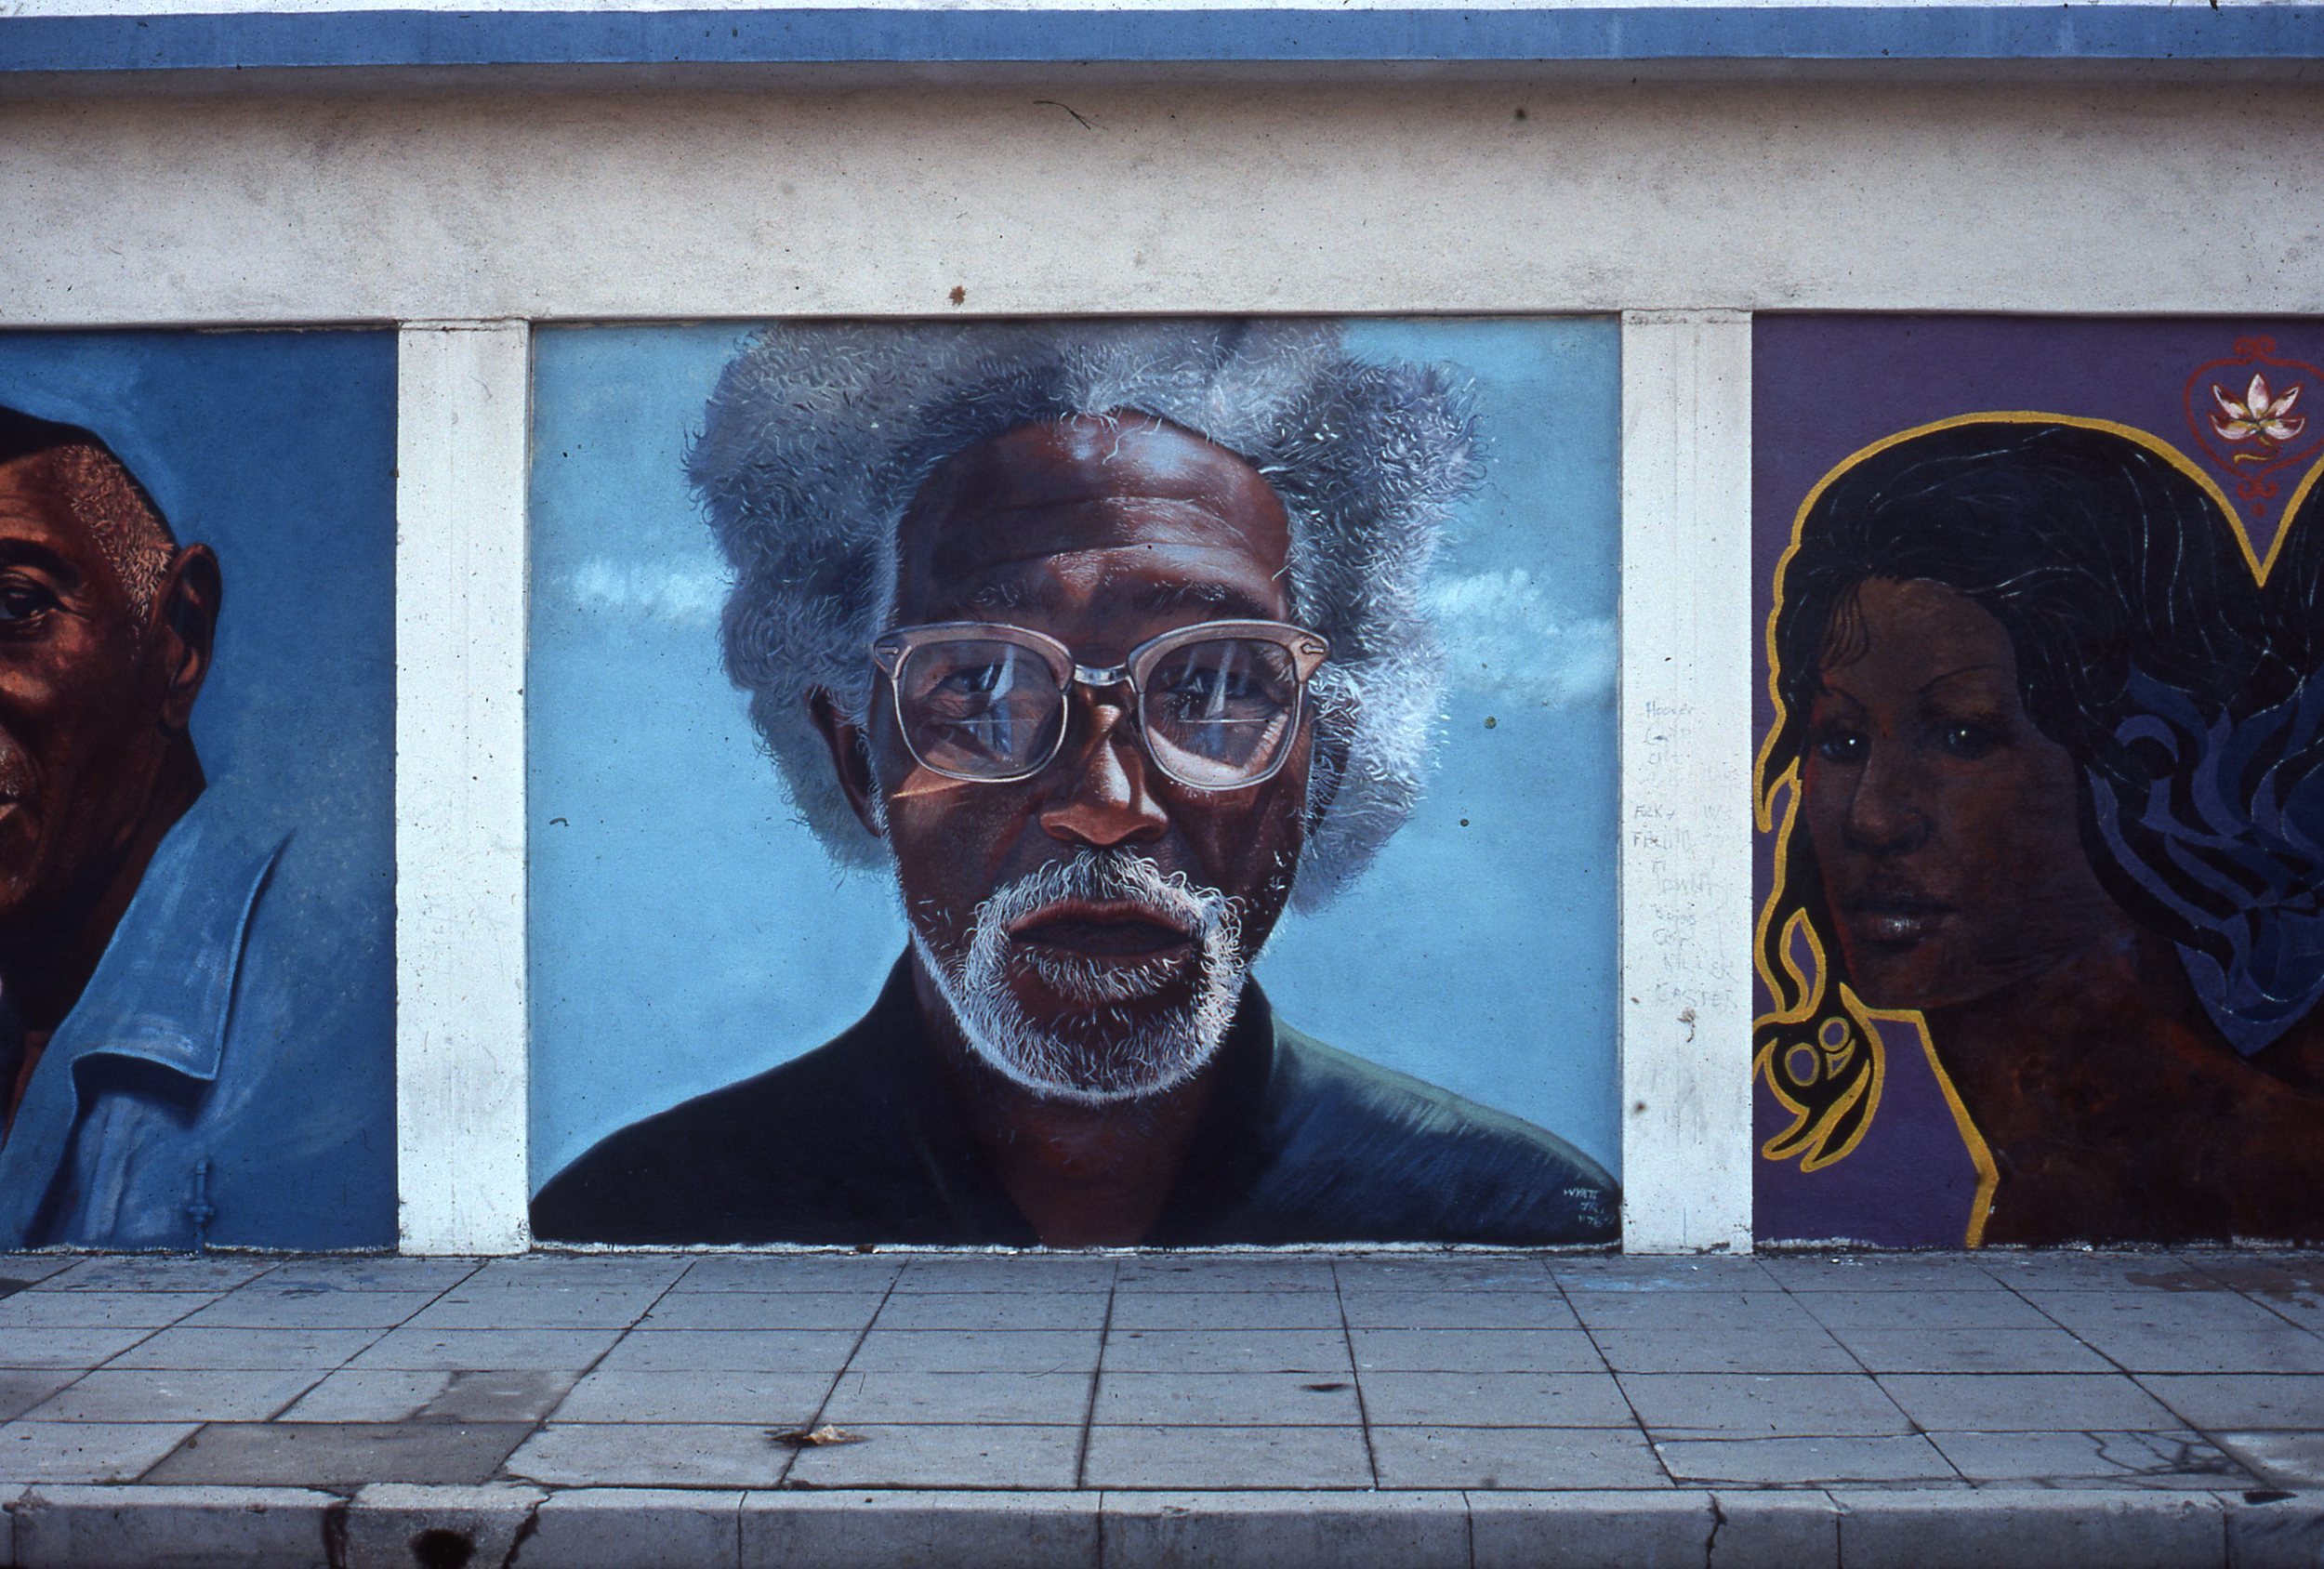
[1089,926]
[82,701]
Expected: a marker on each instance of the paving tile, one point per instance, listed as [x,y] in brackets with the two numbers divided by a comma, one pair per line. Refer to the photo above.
[2289,1459]
[18,1270]
[967,1350]
[763,1310]
[1185,1273]
[1544,1309]
[1443,1271]
[23,1388]
[754,1350]
[2155,1332]
[1797,1460]
[280,1350]
[2241,1399]
[85,1451]
[1475,1351]
[65,1348]
[157,1272]
[162,1396]
[1228,1399]
[1208,1456]
[1925,1310]
[1495,1400]
[1013,1272]
[2146,1459]
[457,1349]
[1016,1398]
[2025,1403]
[2059,1270]
[1751,1313]
[99,1309]
[384,1271]
[1635,1272]
[994,1310]
[651,1454]
[542,1306]
[1878,1271]
[267,1305]
[775,1399]
[944,1455]
[341,1453]
[1227,1351]
[1543,1458]
[1971,1351]
[587,1271]
[1808,1350]
[380,1394]
[791,1272]
[1136,1309]
[1761,1404]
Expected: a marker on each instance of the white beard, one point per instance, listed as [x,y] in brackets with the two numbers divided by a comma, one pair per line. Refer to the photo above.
[1119,1056]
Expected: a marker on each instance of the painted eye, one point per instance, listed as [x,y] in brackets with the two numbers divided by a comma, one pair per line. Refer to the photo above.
[22,599]
[1970,741]
[1845,748]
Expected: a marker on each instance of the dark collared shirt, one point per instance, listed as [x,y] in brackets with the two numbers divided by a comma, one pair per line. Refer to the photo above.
[860,1141]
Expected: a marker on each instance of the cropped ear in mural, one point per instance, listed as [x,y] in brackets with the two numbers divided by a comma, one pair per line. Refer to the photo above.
[195,976]
[1102,648]
[2045,833]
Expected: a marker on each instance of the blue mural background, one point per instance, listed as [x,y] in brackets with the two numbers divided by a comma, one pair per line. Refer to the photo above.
[685,931]
[278,450]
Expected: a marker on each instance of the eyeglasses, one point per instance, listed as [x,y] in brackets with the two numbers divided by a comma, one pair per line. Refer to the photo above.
[1215,704]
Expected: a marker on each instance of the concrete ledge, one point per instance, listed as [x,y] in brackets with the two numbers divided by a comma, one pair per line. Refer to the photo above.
[119,1527]
[633,1529]
[1977,1529]
[393,1525]
[102,1527]
[1286,1530]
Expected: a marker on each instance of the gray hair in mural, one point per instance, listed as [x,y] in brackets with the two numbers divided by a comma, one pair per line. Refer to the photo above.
[818,437]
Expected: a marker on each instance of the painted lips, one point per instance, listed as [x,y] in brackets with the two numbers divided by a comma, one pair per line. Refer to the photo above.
[1095,929]
[1897,920]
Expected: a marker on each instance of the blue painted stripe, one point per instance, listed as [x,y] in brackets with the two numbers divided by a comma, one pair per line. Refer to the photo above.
[438,38]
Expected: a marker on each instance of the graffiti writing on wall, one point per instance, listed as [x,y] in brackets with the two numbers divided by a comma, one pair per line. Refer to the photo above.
[2041,788]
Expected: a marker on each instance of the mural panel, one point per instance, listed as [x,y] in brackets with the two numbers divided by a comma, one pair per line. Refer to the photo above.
[196,790]
[967,759]
[2042,782]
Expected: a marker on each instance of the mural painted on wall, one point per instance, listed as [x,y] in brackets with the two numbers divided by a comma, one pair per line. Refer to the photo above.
[2042,785]
[196,790]
[969,760]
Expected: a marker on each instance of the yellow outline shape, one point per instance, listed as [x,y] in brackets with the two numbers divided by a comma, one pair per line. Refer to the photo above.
[1763,807]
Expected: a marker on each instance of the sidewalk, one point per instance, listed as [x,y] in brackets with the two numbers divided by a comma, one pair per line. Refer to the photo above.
[1389,1408]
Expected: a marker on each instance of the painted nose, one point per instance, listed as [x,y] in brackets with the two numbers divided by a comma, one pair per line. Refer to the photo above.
[1886,815]
[1103,794]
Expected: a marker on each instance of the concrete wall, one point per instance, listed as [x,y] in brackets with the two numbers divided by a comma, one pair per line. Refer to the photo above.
[1684,201]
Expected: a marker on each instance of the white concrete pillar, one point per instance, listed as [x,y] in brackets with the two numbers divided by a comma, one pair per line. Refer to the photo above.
[462,445]
[1686,803]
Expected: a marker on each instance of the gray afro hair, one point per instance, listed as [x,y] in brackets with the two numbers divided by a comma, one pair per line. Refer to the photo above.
[818,436]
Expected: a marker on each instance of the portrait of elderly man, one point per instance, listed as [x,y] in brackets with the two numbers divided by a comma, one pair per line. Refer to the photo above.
[1104,643]
[157,1052]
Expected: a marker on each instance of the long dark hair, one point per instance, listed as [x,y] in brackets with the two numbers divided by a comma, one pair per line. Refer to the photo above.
[2134,606]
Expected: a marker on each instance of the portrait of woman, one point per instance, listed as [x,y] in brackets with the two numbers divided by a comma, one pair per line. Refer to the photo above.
[2043,776]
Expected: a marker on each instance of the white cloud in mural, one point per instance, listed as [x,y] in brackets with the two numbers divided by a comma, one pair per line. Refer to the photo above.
[685,595]
[1505,635]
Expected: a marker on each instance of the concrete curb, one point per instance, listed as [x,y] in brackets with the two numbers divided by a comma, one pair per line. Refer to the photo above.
[106,1527]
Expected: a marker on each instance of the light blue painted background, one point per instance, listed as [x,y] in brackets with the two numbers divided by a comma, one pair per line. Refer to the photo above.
[686,932]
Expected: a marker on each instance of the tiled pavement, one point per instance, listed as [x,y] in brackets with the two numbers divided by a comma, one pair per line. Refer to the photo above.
[1397,1406]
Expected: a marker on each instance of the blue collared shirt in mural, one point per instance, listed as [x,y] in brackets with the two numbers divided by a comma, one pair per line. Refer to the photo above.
[227,1074]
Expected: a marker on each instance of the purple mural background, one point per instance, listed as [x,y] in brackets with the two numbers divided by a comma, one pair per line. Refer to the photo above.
[1824,386]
